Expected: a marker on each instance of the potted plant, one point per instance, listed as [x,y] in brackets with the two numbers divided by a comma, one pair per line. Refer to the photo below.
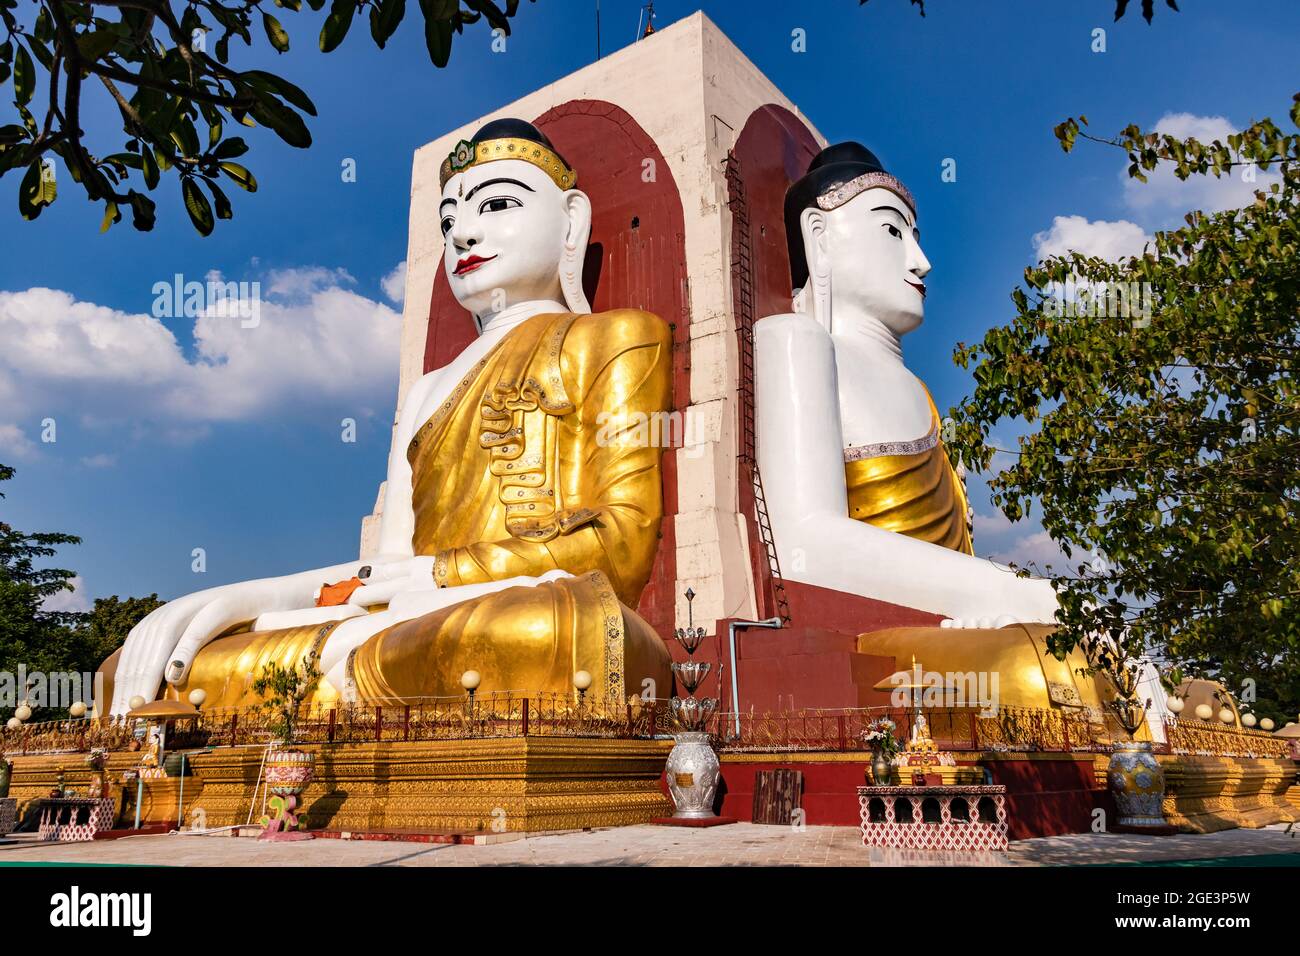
[283,690]
[879,736]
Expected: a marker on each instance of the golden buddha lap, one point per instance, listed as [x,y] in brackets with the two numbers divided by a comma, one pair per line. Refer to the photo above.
[537,461]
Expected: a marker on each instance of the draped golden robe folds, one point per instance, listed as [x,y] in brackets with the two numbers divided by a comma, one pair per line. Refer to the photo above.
[538,460]
[909,487]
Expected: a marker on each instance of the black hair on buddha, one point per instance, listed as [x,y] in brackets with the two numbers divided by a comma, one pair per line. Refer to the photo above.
[833,166]
[509,128]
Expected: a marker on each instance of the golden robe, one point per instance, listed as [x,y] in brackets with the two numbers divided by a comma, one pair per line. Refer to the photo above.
[911,488]
[536,461]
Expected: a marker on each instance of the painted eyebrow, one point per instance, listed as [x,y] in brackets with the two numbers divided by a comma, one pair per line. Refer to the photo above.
[493,182]
[896,211]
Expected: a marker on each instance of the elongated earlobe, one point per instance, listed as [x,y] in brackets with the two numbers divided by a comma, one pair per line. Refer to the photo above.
[575,251]
[817,291]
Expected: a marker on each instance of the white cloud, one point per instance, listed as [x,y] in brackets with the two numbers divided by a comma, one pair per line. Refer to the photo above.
[14,444]
[394,284]
[1108,240]
[1035,550]
[99,461]
[74,600]
[1164,193]
[315,343]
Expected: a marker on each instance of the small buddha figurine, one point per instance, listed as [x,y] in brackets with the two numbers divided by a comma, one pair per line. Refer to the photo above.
[860,491]
[520,521]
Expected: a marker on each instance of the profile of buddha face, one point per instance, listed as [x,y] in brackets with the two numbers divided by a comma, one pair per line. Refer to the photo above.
[854,245]
[877,268]
[511,232]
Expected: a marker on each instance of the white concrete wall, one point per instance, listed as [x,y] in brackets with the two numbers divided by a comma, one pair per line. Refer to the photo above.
[691,90]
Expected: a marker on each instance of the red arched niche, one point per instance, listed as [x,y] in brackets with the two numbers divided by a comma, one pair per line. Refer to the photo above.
[636,259]
[773,150]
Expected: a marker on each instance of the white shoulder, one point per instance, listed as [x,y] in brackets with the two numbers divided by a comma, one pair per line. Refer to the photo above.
[788,329]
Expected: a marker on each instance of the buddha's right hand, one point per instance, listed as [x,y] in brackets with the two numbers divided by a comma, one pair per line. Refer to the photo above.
[150,645]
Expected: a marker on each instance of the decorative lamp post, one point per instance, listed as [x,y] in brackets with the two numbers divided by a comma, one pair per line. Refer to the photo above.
[23,711]
[1204,711]
[1176,705]
[1226,715]
[581,683]
[77,710]
[14,723]
[470,681]
[693,769]
[1266,724]
[198,696]
[1248,720]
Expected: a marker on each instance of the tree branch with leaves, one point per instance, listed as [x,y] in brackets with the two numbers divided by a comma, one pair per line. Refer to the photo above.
[166,68]
[1166,442]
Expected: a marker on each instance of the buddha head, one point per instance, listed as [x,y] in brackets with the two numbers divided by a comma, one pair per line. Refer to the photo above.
[854,244]
[514,223]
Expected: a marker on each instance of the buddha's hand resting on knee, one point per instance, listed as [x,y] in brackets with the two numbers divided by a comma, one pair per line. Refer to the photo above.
[395,577]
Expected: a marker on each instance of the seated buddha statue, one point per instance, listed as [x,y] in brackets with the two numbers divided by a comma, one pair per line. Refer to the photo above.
[518,530]
[861,495]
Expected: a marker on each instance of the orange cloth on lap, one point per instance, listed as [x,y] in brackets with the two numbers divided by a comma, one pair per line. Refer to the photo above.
[332,595]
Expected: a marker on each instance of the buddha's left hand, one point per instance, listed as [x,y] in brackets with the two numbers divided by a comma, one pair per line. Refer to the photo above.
[393,578]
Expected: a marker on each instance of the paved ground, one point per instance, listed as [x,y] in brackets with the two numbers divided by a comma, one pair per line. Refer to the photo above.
[740,844]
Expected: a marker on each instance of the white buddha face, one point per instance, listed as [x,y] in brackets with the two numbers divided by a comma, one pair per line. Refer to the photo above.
[507,226]
[877,268]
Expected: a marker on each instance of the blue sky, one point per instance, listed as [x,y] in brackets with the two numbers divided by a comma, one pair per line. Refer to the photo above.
[155,457]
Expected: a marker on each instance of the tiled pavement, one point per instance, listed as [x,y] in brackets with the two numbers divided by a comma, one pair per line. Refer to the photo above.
[740,844]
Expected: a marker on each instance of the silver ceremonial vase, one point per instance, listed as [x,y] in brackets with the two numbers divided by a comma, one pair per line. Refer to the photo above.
[693,773]
[1138,783]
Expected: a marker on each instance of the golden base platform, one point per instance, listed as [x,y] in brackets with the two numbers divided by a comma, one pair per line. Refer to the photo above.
[488,785]
[1208,794]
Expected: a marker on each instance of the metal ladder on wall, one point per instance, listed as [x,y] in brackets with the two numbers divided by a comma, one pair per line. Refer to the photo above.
[742,271]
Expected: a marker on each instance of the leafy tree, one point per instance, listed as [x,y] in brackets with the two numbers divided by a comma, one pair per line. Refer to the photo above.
[30,635]
[1167,449]
[53,641]
[150,60]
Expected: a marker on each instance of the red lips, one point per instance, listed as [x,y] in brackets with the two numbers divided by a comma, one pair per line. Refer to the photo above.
[469,264]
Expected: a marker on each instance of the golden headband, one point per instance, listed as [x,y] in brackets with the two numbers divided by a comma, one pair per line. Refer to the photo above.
[467,154]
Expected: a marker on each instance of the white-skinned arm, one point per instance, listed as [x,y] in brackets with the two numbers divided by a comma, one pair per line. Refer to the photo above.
[801,456]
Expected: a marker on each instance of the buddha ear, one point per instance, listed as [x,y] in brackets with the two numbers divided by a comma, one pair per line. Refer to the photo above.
[578,207]
[817,290]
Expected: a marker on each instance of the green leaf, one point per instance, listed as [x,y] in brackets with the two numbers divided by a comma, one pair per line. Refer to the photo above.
[111,215]
[230,148]
[142,211]
[149,165]
[24,76]
[36,191]
[221,200]
[337,24]
[275,33]
[437,32]
[242,177]
[385,17]
[94,45]
[278,84]
[197,205]
[287,124]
